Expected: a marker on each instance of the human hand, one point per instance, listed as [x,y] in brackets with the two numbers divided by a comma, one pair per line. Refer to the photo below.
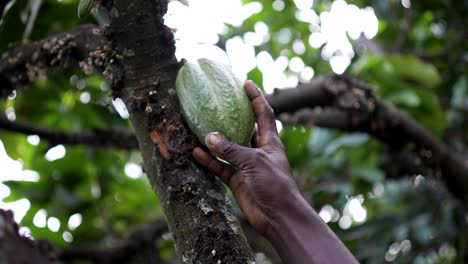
[262,181]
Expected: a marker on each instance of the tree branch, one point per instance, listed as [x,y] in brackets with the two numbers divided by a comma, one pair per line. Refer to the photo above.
[29,62]
[115,138]
[125,251]
[322,117]
[353,107]
[311,94]
[17,249]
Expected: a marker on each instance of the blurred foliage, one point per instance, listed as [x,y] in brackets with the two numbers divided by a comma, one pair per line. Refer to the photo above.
[408,219]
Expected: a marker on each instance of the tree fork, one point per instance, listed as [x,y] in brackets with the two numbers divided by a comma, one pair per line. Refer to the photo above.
[197,210]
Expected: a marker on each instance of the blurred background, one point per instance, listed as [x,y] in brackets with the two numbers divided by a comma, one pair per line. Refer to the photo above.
[412,53]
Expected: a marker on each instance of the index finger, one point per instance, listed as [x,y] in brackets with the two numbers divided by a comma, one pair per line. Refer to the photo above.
[265,116]
[224,171]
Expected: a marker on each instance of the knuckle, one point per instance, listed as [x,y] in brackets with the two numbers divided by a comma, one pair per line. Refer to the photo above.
[257,152]
[257,101]
[260,156]
[228,148]
[269,113]
[269,110]
[278,144]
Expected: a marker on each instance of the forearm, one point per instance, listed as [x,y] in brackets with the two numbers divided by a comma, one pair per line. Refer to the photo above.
[300,236]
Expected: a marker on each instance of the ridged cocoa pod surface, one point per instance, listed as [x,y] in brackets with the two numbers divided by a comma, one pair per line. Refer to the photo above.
[213,99]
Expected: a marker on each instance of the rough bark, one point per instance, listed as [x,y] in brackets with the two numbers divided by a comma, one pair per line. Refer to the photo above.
[29,62]
[194,202]
[344,103]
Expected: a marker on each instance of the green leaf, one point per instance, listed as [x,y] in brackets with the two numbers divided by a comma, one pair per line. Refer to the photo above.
[85,7]
[413,69]
[347,140]
[390,67]
[295,140]
[256,76]
[364,63]
[404,97]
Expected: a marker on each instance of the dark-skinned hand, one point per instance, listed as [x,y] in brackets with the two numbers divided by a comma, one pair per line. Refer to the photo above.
[261,181]
[262,178]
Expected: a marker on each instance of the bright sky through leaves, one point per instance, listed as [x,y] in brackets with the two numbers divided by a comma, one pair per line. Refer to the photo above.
[197,32]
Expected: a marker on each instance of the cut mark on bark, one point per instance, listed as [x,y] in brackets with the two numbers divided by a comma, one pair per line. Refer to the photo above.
[158,138]
[168,132]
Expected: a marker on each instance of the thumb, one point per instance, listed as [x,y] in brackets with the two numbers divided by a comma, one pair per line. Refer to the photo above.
[227,150]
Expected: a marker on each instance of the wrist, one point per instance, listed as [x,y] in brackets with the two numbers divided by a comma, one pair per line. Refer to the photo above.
[294,211]
[292,228]
[300,236]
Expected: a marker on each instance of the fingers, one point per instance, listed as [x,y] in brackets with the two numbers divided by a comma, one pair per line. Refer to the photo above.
[222,170]
[264,113]
[227,150]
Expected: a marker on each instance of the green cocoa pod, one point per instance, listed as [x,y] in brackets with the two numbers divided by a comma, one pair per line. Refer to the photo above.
[213,99]
[85,7]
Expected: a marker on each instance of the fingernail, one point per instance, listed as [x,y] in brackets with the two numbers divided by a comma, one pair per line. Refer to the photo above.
[250,83]
[214,138]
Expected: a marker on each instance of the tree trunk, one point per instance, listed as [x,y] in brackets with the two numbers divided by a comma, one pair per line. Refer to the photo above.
[195,205]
